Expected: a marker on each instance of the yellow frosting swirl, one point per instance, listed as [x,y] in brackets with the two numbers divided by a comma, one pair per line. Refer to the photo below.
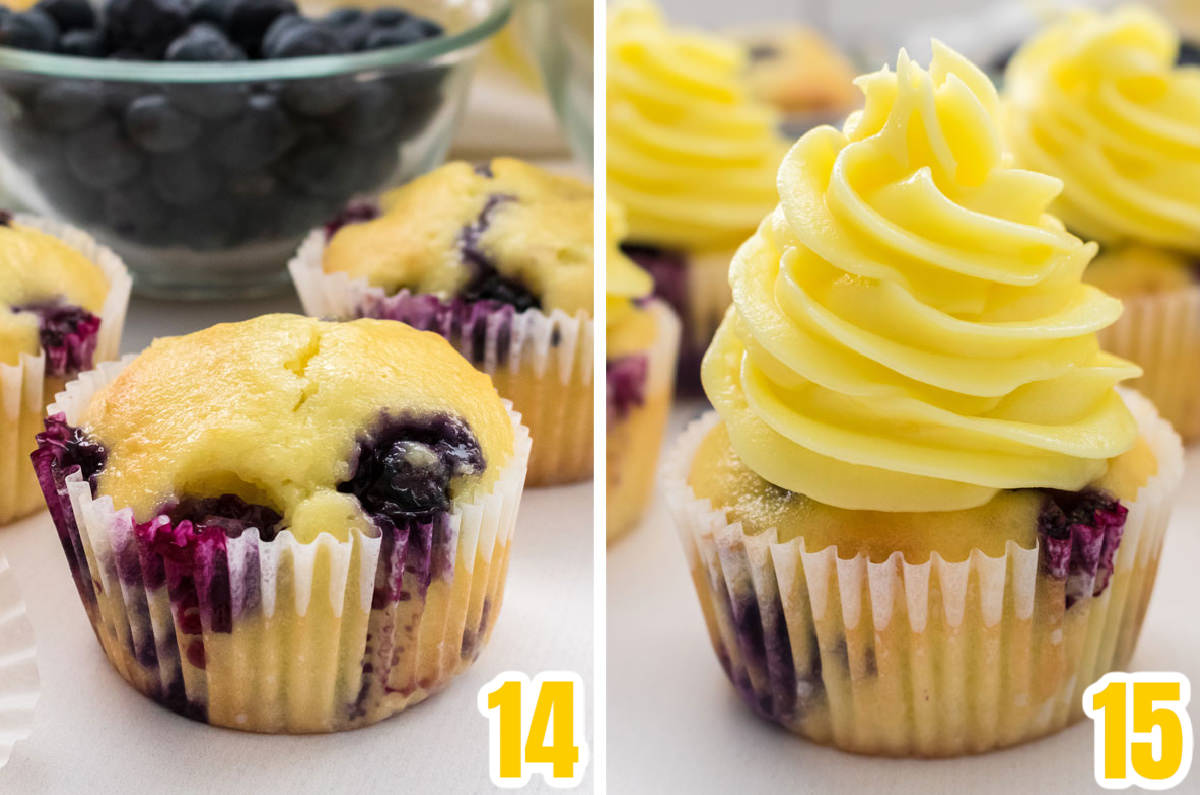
[909,329]
[690,155]
[1097,101]
[624,280]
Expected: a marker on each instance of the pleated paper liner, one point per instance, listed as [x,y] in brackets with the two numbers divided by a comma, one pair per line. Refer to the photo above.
[916,659]
[541,362]
[20,686]
[24,388]
[633,441]
[1161,333]
[280,635]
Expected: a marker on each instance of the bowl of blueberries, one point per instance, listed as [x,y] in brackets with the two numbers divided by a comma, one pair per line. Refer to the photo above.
[202,139]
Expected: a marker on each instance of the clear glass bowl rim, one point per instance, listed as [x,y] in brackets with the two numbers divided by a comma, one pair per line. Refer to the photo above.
[79,68]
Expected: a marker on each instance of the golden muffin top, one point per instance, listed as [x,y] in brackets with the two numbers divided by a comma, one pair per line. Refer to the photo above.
[506,230]
[38,269]
[320,422]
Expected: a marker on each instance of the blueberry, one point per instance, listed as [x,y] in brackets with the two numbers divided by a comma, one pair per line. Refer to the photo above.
[84,43]
[66,105]
[351,24]
[212,101]
[204,227]
[317,97]
[204,42]
[303,38]
[211,11]
[135,213]
[371,115]
[322,169]
[257,137]
[29,30]
[183,180]
[70,14]
[408,32]
[1189,53]
[251,184]
[277,28]
[145,26]
[247,20]
[403,470]
[389,16]
[490,285]
[101,157]
[158,126]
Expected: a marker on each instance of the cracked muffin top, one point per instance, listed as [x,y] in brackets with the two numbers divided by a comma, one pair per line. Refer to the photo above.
[297,424]
[505,231]
[42,281]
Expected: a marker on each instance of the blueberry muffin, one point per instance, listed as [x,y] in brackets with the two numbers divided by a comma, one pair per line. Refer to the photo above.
[62,308]
[497,258]
[692,158]
[922,518]
[285,524]
[1097,100]
[798,71]
[641,342]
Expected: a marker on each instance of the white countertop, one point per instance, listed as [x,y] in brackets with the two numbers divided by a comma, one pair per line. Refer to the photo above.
[676,725]
[95,734]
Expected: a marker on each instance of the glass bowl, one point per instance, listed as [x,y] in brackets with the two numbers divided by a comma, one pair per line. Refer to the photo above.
[562,34]
[208,187]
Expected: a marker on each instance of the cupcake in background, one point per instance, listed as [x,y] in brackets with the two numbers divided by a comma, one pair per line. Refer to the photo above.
[498,259]
[922,518]
[641,344]
[285,524]
[692,158]
[796,69]
[1097,100]
[62,309]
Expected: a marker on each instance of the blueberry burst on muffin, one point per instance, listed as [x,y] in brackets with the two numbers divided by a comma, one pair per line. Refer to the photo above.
[922,518]
[497,258]
[287,492]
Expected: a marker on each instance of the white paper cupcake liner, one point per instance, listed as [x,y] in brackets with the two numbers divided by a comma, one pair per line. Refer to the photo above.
[1161,333]
[24,392]
[632,442]
[915,659]
[20,686]
[541,362]
[281,635]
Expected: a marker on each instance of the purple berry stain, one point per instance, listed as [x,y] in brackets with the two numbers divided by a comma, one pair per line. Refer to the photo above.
[68,335]
[1079,533]
[626,380]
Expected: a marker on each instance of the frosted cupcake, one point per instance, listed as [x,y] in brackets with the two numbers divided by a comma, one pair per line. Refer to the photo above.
[922,518]
[691,157]
[641,343]
[1097,100]
[287,525]
[62,308]
[498,259]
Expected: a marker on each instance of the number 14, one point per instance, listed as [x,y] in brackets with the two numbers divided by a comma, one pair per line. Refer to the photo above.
[535,727]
